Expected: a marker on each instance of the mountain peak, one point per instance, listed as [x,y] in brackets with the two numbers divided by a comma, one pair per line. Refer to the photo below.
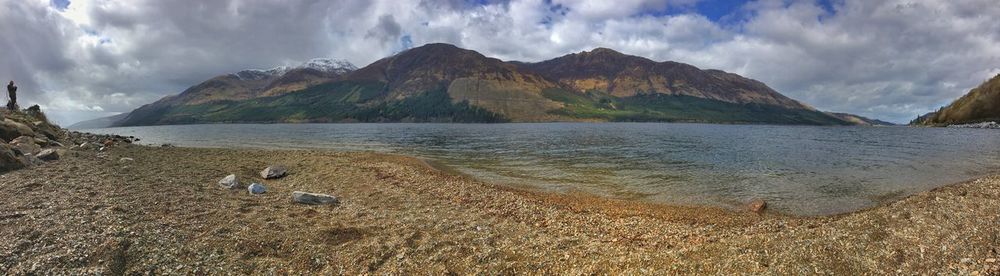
[440,50]
[329,65]
[602,50]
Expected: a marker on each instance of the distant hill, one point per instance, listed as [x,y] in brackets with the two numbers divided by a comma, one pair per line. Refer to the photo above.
[99,122]
[982,104]
[860,120]
[444,83]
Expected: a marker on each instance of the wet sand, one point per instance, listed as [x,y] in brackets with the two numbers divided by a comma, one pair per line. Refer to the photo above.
[163,213]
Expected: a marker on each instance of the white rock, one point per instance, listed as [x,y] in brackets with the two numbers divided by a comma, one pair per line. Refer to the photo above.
[256,188]
[88,146]
[229,182]
[273,171]
[313,199]
[126,159]
[48,155]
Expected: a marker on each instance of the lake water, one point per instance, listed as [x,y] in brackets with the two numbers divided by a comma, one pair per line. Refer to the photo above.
[804,170]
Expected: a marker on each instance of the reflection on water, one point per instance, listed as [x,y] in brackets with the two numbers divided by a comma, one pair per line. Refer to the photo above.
[798,169]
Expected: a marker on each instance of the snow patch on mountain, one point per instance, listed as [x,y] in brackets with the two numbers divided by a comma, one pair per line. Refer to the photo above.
[338,66]
[259,74]
[327,65]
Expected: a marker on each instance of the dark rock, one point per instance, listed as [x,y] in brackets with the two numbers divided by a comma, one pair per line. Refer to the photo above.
[8,159]
[313,199]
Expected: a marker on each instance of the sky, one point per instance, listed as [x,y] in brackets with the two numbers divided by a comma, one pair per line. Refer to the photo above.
[891,59]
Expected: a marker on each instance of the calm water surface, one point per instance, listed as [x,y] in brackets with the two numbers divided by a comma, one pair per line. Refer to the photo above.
[802,170]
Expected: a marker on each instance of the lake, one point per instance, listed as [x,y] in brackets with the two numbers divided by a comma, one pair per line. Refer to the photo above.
[803,170]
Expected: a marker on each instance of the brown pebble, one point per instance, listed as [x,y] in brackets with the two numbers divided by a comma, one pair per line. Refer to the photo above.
[758,205]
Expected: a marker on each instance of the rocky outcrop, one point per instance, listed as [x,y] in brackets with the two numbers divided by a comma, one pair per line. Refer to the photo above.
[34,140]
[981,104]
[987,125]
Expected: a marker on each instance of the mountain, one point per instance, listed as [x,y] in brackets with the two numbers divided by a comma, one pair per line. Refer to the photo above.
[102,122]
[606,85]
[982,104]
[860,120]
[240,86]
[444,83]
[622,76]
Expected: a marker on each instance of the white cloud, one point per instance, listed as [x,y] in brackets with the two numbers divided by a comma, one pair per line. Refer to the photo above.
[889,59]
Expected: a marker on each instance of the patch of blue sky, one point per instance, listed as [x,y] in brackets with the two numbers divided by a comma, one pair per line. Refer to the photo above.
[60,4]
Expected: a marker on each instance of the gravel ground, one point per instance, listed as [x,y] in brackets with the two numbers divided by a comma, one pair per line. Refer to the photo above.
[163,213]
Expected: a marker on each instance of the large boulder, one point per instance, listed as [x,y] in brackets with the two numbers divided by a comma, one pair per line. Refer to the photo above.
[313,199]
[9,161]
[25,144]
[273,171]
[230,182]
[10,129]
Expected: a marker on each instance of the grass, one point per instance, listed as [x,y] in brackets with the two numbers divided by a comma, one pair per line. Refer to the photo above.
[332,102]
[677,108]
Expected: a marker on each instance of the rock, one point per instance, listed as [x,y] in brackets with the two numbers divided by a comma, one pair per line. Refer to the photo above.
[8,159]
[256,188]
[108,143]
[42,141]
[273,171]
[31,160]
[313,199]
[88,146]
[10,129]
[26,145]
[126,159]
[48,155]
[758,205]
[229,182]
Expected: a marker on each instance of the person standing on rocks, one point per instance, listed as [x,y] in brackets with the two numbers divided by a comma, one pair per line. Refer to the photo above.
[12,93]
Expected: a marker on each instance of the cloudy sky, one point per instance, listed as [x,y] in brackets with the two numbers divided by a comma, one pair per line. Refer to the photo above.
[891,59]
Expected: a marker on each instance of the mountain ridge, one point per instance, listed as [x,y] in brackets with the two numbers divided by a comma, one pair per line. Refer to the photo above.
[444,83]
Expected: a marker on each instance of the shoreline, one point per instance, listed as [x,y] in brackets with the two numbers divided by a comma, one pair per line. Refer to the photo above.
[163,213]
